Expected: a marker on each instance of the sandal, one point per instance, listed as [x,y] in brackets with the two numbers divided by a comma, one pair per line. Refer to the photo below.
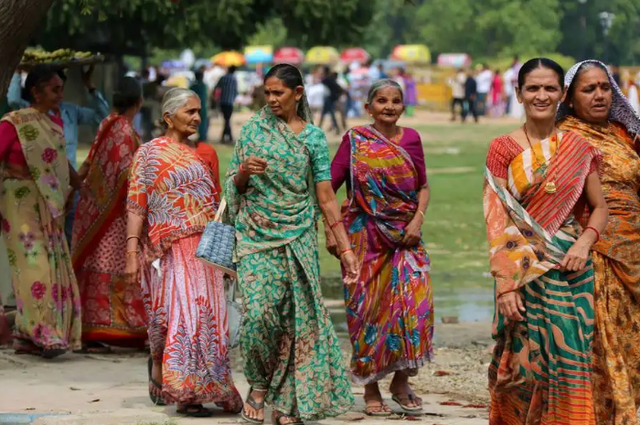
[94,348]
[194,411]
[255,405]
[52,353]
[154,398]
[399,398]
[381,410]
[279,415]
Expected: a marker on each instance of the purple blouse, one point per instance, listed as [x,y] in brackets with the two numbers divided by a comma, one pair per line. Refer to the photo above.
[410,142]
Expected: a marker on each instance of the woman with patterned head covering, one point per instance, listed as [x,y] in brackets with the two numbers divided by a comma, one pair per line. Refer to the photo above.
[596,109]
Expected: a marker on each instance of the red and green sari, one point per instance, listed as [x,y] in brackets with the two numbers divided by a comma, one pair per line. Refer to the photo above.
[112,311]
[541,367]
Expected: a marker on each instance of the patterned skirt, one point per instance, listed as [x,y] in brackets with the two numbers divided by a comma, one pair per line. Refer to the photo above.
[188,330]
[541,368]
[288,342]
[112,310]
[45,287]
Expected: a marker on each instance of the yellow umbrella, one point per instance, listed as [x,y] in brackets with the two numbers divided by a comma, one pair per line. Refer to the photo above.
[322,55]
[178,81]
[411,53]
[228,59]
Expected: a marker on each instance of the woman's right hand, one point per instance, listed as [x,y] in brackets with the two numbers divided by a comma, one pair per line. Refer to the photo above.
[254,165]
[332,243]
[350,264]
[511,306]
[132,269]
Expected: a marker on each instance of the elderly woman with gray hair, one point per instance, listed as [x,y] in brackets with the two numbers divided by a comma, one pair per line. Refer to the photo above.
[170,201]
[390,313]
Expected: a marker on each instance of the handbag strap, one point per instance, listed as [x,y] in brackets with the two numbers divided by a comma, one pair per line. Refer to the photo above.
[221,209]
[231,291]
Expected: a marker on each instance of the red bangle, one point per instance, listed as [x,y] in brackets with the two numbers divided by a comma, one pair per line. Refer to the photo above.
[595,230]
[241,168]
[335,224]
[345,251]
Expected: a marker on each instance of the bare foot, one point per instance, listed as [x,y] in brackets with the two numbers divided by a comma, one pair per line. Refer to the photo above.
[280,418]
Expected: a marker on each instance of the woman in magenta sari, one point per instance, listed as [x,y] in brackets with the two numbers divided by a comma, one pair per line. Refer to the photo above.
[390,311]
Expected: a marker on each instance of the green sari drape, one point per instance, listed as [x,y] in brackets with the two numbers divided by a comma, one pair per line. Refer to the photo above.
[288,342]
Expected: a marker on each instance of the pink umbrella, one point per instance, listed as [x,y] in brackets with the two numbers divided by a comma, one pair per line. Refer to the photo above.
[290,55]
[355,54]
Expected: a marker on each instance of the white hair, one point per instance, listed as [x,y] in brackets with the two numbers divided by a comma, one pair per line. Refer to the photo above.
[383,84]
[175,99]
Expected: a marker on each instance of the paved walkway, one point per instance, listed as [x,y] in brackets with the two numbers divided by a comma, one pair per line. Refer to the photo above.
[112,389]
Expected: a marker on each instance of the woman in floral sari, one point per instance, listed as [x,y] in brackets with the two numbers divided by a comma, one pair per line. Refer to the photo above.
[291,352]
[597,110]
[112,311]
[390,314]
[36,184]
[171,199]
[536,179]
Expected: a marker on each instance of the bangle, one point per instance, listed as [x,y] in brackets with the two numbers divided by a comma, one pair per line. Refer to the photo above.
[345,251]
[132,252]
[132,237]
[241,168]
[595,230]
[421,213]
[335,224]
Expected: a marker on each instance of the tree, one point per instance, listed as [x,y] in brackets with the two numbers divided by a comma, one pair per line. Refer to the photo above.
[134,26]
[15,32]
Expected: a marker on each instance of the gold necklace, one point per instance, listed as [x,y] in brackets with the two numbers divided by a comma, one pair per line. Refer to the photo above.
[550,187]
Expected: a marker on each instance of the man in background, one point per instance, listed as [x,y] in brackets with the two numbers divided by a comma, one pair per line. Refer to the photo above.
[457,91]
[201,89]
[334,92]
[470,97]
[228,86]
[484,80]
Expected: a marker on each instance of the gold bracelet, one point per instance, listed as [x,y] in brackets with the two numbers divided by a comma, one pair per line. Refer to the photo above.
[132,252]
[132,237]
[421,213]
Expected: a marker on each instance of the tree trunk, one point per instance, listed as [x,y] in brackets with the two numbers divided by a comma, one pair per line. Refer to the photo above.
[18,21]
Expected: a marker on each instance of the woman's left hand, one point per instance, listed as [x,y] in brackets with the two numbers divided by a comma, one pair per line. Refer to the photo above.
[412,233]
[576,258]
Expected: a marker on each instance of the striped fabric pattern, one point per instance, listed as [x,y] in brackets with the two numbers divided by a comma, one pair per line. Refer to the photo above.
[541,368]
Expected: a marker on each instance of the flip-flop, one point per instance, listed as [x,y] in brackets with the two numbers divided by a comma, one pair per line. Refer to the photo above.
[52,353]
[255,405]
[377,411]
[194,411]
[154,398]
[279,415]
[408,409]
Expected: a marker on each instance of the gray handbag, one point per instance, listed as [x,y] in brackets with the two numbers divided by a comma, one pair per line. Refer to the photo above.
[235,316]
[217,244]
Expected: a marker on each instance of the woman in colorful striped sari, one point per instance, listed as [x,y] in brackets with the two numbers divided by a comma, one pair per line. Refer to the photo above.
[170,201]
[537,178]
[37,182]
[277,185]
[597,110]
[112,310]
[390,312]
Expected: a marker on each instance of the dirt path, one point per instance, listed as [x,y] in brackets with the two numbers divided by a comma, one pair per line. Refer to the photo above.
[107,384]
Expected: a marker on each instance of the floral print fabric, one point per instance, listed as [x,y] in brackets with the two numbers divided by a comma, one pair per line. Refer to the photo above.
[46,292]
[289,344]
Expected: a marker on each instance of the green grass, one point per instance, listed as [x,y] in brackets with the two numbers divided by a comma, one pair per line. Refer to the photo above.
[454,230]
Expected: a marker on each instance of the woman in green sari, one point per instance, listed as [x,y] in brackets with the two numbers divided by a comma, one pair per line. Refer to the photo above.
[292,357]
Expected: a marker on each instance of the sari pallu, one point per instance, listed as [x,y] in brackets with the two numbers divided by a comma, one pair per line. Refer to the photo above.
[390,313]
[113,311]
[541,367]
[47,300]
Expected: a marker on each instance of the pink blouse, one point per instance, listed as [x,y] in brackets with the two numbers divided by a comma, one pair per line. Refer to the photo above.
[10,148]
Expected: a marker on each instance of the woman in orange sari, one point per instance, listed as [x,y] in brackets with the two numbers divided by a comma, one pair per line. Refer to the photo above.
[597,110]
[112,310]
[536,178]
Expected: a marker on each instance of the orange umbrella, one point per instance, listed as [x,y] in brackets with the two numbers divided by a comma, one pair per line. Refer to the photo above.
[229,59]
